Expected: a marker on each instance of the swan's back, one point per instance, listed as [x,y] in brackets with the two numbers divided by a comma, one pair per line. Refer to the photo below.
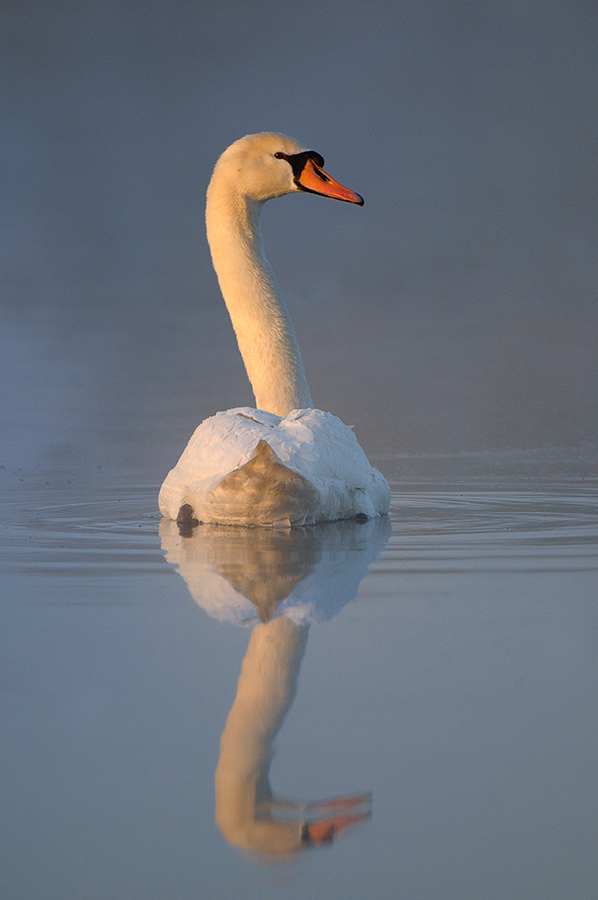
[259,469]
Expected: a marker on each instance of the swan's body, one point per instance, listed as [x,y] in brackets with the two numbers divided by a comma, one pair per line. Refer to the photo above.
[283,463]
[259,469]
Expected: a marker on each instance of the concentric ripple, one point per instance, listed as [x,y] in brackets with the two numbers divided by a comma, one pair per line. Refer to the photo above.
[549,530]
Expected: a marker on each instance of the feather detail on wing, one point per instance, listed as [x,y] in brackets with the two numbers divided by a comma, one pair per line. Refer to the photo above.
[259,469]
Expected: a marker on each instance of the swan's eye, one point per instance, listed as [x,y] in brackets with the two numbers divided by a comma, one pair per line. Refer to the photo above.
[279,155]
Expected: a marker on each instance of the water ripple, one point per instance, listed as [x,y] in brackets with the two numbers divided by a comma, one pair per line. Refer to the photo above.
[433,530]
[494,530]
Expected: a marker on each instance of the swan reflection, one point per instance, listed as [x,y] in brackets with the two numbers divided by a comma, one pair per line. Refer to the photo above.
[280,582]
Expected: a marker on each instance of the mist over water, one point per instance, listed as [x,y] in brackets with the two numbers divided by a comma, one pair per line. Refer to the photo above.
[456,311]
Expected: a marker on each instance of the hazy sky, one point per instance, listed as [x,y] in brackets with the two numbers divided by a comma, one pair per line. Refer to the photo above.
[460,304]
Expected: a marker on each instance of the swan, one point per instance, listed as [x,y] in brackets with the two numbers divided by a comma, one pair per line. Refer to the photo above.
[283,463]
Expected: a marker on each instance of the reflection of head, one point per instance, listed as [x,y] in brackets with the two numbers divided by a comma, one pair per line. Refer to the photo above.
[307,574]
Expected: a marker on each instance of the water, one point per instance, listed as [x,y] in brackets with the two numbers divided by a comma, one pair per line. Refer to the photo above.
[456,680]
[433,680]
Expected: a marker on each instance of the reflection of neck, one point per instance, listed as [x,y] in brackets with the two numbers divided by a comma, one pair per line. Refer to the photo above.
[265,692]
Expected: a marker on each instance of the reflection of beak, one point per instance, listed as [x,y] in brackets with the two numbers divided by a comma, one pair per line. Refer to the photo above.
[325,831]
[315,180]
[339,815]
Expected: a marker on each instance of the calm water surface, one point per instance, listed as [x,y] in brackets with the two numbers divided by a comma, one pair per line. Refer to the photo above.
[179,710]
[178,713]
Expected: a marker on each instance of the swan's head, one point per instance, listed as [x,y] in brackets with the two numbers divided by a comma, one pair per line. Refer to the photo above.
[264,166]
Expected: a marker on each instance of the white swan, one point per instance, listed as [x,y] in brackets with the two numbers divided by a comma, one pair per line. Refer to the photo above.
[283,463]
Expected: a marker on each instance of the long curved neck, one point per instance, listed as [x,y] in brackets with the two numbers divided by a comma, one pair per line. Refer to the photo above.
[259,316]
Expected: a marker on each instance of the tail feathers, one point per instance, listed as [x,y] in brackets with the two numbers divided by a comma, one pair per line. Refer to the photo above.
[263,492]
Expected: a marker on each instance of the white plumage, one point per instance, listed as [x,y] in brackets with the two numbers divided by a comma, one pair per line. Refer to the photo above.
[256,468]
[282,464]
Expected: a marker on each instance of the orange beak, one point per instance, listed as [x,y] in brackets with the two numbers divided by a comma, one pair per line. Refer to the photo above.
[316,181]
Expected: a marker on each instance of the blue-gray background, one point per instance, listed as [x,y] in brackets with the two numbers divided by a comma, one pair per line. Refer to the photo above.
[456,311]
[454,314]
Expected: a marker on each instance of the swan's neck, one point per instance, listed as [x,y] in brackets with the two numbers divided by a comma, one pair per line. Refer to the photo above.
[259,316]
